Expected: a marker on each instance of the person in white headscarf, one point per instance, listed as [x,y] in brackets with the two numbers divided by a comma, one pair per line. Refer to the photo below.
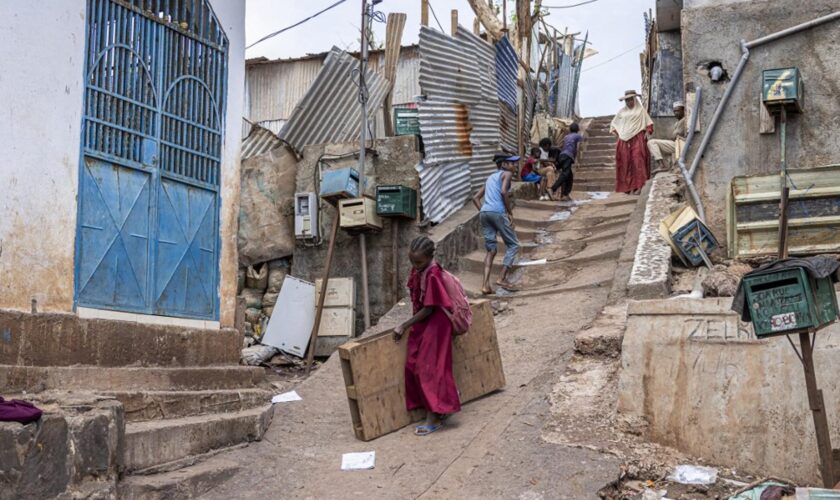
[660,148]
[632,126]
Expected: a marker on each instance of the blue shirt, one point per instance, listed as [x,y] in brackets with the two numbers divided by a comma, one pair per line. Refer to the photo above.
[493,200]
[570,144]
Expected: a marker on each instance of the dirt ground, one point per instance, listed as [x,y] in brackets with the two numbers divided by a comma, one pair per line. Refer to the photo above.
[550,433]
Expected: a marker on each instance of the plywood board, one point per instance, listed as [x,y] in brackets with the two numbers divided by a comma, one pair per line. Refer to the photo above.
[341,292]
[374,366]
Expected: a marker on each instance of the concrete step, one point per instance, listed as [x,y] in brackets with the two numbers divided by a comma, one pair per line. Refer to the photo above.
[189,482]
[51,339]
[586,176]
[94,378]
[604,158]
[142,406]
[162,444]
[602,187]
[586,165]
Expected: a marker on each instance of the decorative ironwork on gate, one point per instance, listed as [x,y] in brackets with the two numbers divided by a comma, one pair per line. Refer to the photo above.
[155,80]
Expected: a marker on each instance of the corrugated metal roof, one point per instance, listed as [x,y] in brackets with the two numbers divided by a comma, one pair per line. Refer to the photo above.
[561,89]
[506,72]
[259,141]
[444,188]
[330,111]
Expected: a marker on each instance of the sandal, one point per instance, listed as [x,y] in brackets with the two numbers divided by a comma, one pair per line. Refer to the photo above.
[425,430]
[507,286]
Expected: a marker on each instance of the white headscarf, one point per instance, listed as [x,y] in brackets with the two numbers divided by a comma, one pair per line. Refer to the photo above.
[629,122]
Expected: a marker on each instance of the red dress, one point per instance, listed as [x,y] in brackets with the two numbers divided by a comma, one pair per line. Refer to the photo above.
[632,163]
[429,383]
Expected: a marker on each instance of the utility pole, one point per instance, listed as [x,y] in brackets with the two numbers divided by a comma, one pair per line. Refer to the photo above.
[363,97]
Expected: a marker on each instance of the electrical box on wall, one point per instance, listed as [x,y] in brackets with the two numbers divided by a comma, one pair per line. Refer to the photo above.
[359,214]
[782,87]
[306,216]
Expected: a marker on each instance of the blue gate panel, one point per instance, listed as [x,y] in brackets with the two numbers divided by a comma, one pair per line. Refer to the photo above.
[186,263]
[114,230]
[152,136]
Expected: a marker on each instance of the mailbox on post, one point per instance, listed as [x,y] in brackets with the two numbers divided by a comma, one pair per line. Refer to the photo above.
[785,301]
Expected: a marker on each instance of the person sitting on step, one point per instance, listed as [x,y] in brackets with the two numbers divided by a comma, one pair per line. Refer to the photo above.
[543,175]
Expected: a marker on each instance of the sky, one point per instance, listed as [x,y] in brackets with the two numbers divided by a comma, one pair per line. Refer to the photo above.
[616,30]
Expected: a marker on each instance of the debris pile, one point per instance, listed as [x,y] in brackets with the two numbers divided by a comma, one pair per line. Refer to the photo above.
[259,286]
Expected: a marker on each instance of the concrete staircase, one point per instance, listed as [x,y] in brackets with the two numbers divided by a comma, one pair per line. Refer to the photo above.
[596,170]
[180,411]
[584,235]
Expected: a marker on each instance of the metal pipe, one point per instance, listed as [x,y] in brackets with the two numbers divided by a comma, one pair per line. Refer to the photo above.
[692,189]
[794,29]
[745,49]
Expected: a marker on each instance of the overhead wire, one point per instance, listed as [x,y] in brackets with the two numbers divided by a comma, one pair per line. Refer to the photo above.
[313,16]
[614,57]
[436,18]
[567,6]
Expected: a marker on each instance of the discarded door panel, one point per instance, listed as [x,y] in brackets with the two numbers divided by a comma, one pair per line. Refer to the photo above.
[374,374]
[813,213]
[291,322]
[341,292]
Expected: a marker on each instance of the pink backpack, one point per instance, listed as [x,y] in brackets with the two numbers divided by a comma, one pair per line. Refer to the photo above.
[461,313]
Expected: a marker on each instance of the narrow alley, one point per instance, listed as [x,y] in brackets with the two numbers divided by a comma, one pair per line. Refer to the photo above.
[419,249]
[494,448]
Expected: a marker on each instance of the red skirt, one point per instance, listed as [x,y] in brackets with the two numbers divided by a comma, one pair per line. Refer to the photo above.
[632,164]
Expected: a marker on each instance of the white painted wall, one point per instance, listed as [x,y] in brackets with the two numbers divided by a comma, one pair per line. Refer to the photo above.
[41,96]
[41,66]
[231,14]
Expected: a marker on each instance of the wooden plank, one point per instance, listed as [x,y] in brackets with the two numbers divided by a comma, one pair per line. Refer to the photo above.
[814,213]
[767,122]
[374,368]
[807,208]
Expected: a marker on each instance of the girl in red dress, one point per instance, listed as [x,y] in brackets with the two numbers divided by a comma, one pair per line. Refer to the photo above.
[429,383]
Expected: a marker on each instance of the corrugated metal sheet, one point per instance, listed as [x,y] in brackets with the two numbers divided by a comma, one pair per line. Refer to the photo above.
[259,141]
[447,71]
[274,88]
[274,125]
[507,128]
[506,72]
[445,127]
[561,89]
[530,103]
[484,116]
[444,188]
[330,111]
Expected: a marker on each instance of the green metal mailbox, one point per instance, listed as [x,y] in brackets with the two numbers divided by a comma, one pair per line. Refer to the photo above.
[782,87]
[789,301]
[406,121]
[396,201]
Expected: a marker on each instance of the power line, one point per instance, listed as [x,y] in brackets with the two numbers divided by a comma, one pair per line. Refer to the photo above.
[296,24]
[614,58]
[567,6]
[436,19]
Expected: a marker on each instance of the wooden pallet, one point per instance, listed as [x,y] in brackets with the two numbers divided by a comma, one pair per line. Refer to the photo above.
[374,366]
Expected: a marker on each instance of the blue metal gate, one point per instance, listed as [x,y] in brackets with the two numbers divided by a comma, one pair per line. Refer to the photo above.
[148,223]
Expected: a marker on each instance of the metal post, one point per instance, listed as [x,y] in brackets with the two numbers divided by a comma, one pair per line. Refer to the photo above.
[362,149]
[395,257]
[784,192]
[815,400]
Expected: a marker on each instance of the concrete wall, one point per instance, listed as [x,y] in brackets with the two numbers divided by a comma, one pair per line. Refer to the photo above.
[41,95]
[708,387]
[41,87]
[711,31]
[666,79]
[232,17]
[393,164]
